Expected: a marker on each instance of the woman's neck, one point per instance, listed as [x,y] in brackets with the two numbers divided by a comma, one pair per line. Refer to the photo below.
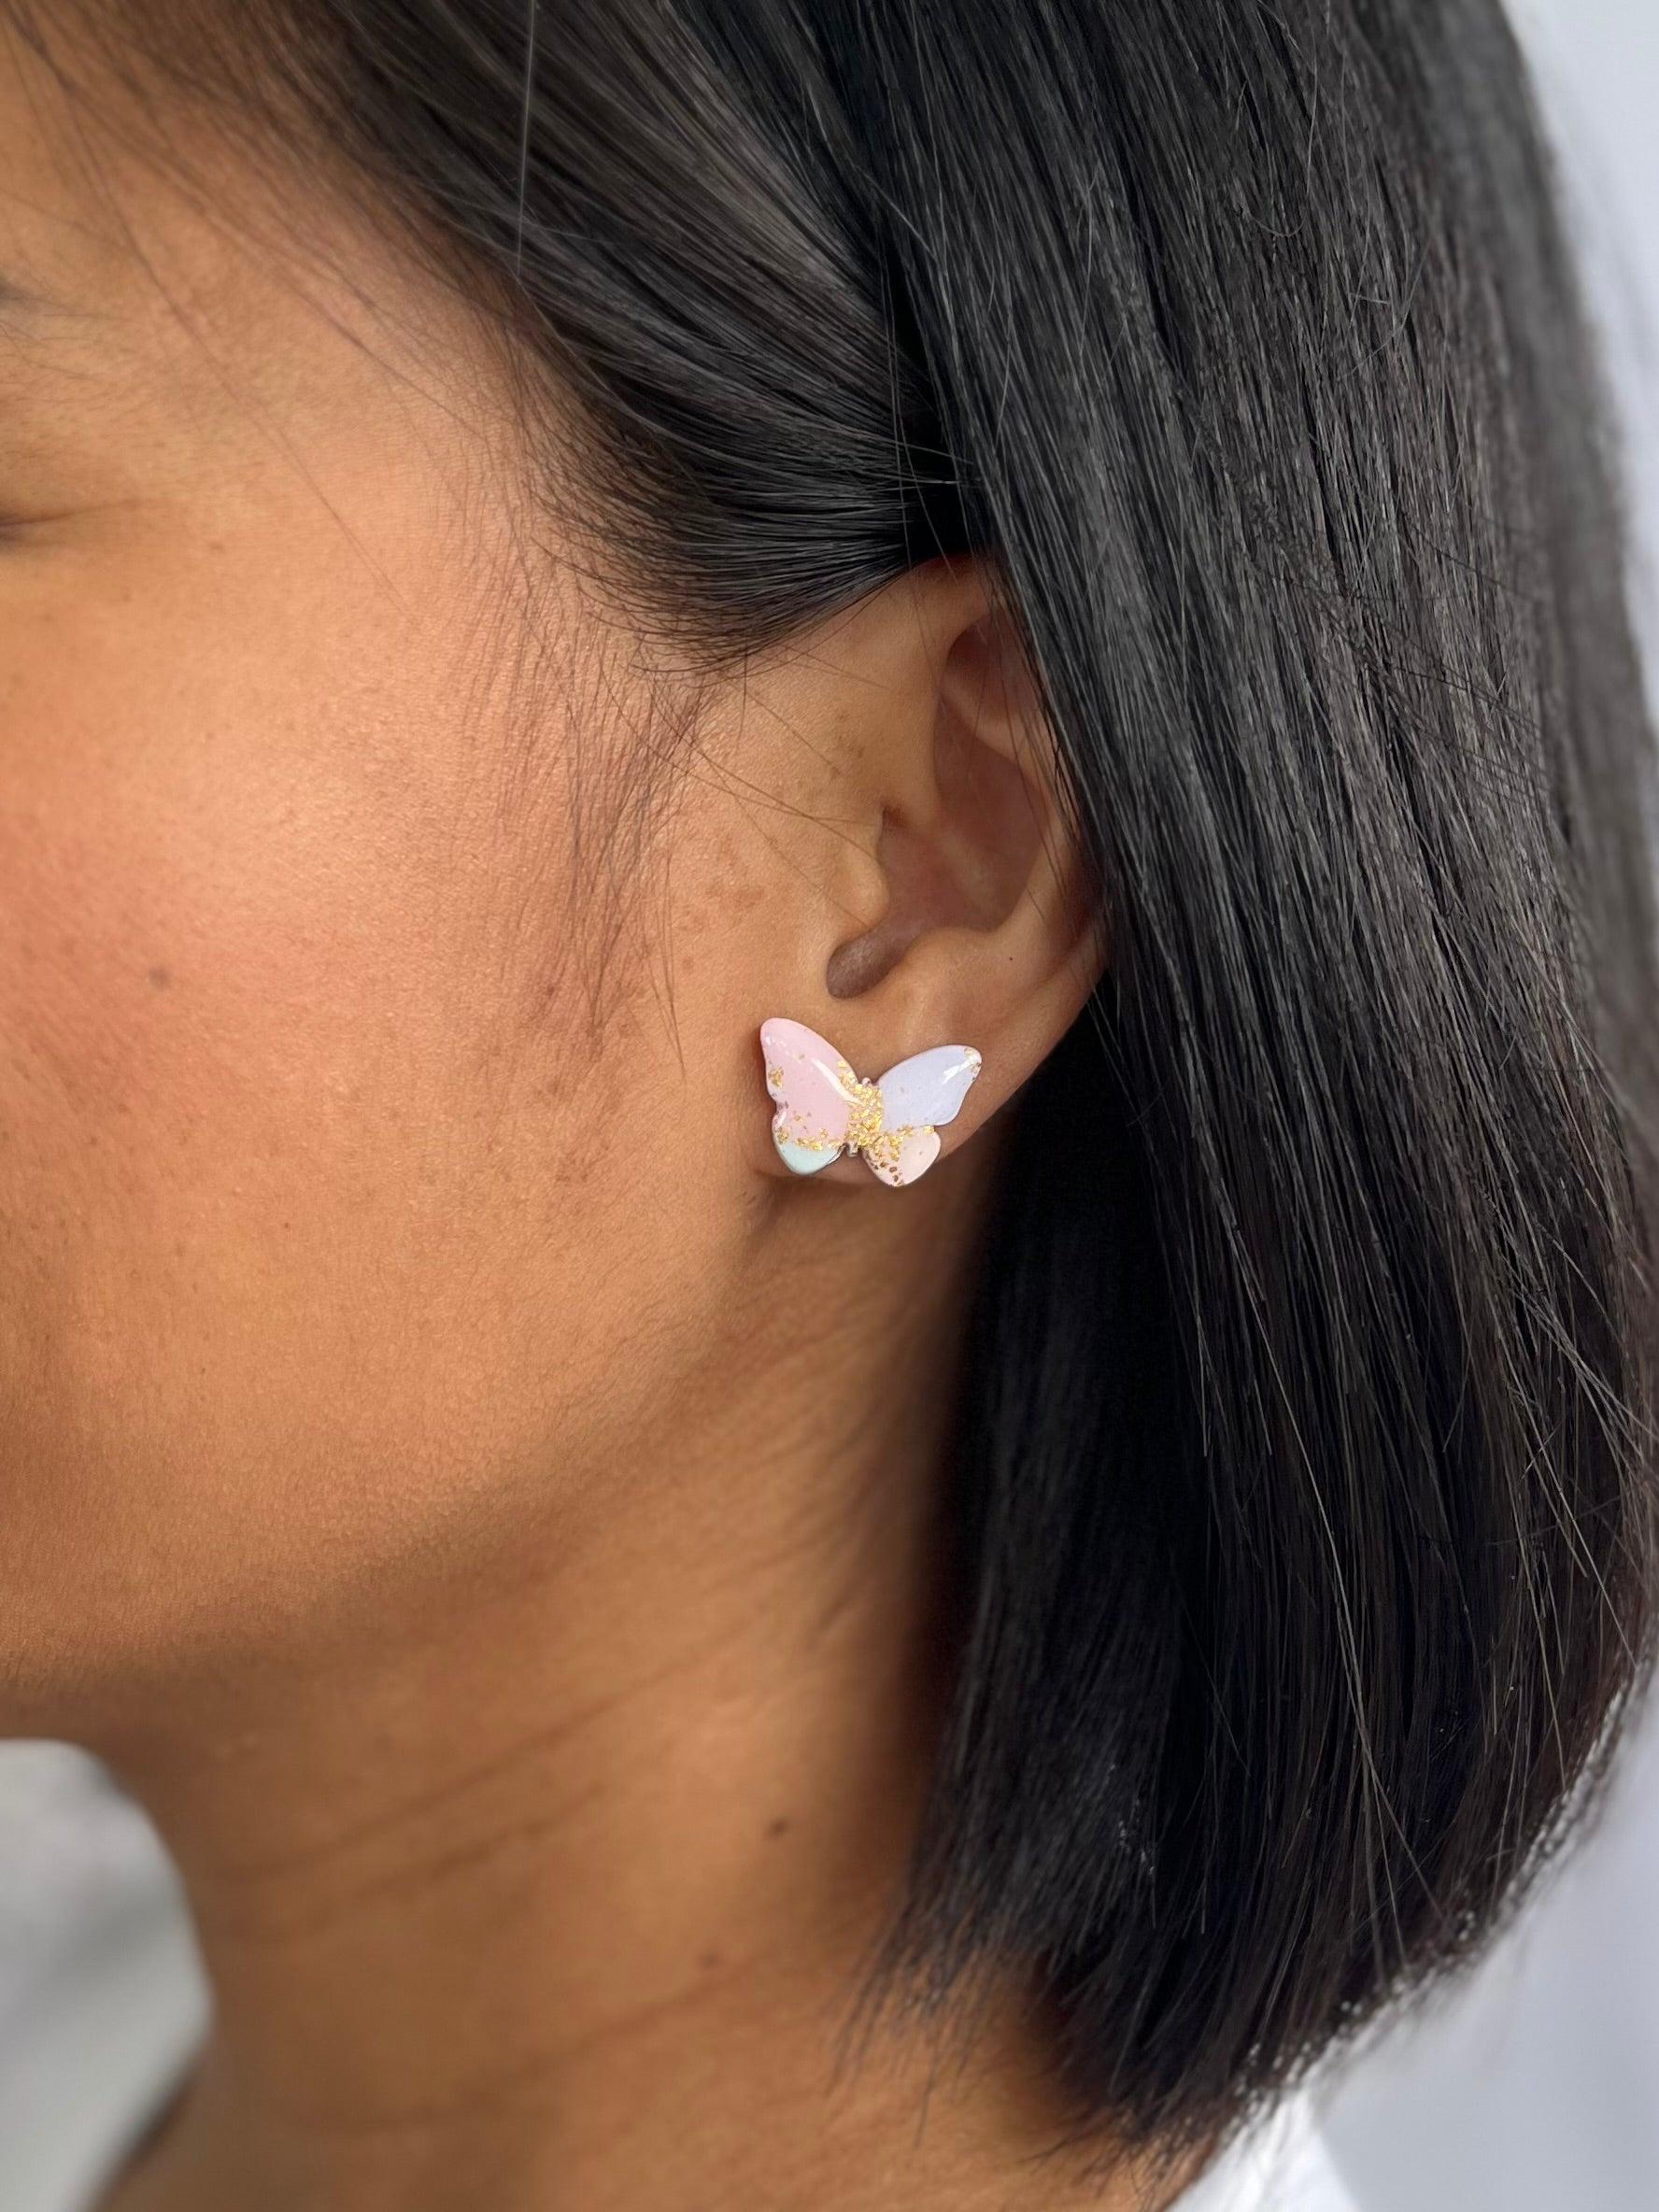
[559,1895]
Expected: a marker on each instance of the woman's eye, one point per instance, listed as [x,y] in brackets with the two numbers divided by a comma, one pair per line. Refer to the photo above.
[20,524]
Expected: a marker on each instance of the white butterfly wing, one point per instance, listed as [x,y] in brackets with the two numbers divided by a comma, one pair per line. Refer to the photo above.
[927,1091]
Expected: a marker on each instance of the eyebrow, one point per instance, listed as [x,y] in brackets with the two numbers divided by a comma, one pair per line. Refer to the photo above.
[21,310]
[26,304]
[27,313]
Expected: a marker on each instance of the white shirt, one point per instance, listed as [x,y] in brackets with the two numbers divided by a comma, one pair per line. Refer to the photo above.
[104,2004]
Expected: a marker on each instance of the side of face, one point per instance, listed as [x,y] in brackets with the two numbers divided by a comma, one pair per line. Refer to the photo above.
[385,1153]
[356,1191]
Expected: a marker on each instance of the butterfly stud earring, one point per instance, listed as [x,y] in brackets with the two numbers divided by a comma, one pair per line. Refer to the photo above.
[824,1109]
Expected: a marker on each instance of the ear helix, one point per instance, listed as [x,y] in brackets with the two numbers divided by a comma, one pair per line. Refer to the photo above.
[824,1109]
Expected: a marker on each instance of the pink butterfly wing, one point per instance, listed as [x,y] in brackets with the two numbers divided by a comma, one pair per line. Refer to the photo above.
[812,1087]
[914,1154]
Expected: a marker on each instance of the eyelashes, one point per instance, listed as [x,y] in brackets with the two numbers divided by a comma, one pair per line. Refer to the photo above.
[16,527]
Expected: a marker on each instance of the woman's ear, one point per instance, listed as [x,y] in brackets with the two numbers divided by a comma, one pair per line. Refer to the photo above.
[962,911]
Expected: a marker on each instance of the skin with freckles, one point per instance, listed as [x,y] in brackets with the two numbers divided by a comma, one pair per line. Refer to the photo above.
[479,1502]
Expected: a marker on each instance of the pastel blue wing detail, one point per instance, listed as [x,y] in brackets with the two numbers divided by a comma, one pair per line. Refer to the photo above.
[927,1091]
[805,1159]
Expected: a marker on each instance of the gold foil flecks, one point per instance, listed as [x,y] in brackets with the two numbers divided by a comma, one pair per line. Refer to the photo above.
[792,1130]
[864,1122]
[883,1153]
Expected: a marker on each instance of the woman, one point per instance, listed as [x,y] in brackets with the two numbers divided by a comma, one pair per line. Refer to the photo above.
[584,584]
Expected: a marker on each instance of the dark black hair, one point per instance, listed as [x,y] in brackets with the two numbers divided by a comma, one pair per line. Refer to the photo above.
[1302,1502]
